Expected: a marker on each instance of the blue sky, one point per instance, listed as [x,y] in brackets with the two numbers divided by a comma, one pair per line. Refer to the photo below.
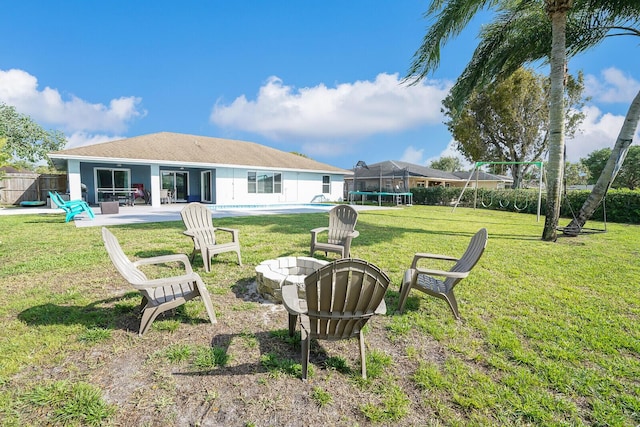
[322,78]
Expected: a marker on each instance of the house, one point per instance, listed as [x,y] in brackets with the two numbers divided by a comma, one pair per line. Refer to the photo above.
[485,180]
[396,176]
[187,168]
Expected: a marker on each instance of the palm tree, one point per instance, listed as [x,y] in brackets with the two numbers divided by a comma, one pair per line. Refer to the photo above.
[525,31]
[608,174]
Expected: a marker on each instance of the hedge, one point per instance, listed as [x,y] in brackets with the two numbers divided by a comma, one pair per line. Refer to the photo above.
[622,206]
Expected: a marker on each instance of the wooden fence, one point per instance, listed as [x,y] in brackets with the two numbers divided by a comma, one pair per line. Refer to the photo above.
[18,187]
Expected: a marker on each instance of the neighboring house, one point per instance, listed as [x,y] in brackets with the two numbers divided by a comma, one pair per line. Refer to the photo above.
[197,168]
[485,180]
[397,176]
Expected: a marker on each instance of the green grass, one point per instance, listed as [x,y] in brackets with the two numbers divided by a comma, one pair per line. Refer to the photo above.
[64,403]
[550,332]
[321,397]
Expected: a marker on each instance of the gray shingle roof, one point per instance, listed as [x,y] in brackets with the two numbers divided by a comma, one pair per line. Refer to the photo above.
[194,149]
[397,168]
[483,176]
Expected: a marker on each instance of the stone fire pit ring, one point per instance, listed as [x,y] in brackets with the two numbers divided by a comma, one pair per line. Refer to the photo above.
[272,274]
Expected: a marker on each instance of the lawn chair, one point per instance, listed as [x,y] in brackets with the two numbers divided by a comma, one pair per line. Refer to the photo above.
[139,193]
[71,207]
[422,279]
[340,298]
[158,295]
[165,196]
[342,221]
[197,219]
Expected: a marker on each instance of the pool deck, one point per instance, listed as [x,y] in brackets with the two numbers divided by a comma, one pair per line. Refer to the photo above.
[171,212]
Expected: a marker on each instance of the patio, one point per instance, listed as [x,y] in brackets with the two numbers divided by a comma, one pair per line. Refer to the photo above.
[140,214]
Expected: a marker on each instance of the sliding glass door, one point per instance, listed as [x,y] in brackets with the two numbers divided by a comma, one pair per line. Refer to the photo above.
[206,185]
[177,183]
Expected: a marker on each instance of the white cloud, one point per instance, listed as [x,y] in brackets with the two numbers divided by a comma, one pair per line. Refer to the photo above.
[416,156]
[413,155]
[20,89]
[78,139]
[612,87]
[598,131]
[346,111]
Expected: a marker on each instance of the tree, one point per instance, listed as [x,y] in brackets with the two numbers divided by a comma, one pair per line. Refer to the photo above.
[629,174]
[525,31]
[508,121]
[610,170]
[595,162]
[576,173]
[447,163]
[25,139]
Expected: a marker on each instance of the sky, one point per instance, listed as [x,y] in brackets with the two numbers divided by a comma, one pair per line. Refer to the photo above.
[321,78]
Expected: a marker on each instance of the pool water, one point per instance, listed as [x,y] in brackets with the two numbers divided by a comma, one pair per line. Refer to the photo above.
[271,206]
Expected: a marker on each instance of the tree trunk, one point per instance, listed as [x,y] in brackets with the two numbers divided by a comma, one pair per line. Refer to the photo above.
[608,174]
[555,165]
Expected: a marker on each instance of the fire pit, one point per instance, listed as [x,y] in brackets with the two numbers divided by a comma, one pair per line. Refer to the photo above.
[273,273]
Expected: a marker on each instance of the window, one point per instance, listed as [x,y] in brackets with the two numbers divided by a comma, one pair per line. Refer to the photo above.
[326,184]
[264,182]
[112,179]
[112,183]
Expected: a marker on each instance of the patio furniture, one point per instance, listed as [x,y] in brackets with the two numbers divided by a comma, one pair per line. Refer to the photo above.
[72,208]
[165,196]
[139,193]
[422,278]
[341,297]
[340,232]
[107,208]
[158,295]
[197,220]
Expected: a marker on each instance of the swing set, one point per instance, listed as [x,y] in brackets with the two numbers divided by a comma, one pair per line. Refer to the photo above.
[519,203]
[502,202]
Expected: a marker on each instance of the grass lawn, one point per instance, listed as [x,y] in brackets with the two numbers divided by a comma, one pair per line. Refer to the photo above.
[550,332]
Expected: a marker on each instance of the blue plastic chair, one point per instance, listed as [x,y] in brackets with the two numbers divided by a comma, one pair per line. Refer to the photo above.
[71,207]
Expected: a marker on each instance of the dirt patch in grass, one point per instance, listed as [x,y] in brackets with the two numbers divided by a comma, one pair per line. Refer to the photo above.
[157,379]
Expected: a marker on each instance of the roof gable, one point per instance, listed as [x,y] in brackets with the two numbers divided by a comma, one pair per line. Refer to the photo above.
[398,169]
[184,148]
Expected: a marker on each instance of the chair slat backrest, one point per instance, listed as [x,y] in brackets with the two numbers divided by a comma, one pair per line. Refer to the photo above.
[122,263]
[472,254]
[59,202]
[342,296]
[342,221]
[197,218]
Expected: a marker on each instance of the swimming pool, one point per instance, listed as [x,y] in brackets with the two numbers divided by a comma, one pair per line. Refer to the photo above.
[271,206]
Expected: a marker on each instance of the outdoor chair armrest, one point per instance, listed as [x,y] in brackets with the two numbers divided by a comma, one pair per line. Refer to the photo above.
[354,234]
[382,308]
[453,274]
[417,257]
[167,281]
[194,231]
[166,258]
[233,231]
[319,230]
[290,299]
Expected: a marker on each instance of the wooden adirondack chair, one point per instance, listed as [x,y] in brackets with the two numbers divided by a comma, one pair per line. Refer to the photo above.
[341,297]
[71,207]
[197,220]
[341,231]
[158,295]
[422,279]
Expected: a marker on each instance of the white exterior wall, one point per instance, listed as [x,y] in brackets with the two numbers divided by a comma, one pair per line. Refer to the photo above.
[297,187]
